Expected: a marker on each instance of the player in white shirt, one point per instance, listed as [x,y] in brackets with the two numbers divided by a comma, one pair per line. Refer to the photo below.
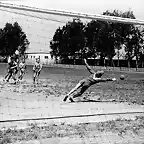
[36,70]
[22,69]
[12,68]
[95,77]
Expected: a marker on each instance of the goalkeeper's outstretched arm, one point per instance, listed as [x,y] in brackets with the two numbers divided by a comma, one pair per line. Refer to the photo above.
[104,79]
[88,67]
[107,79]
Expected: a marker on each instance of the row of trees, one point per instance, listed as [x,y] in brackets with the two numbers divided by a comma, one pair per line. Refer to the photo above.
[98,38]
[83,40]
[12,36]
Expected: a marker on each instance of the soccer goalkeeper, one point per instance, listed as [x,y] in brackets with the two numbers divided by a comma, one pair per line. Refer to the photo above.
[83,85]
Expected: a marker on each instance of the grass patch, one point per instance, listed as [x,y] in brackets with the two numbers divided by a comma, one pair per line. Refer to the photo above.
[120,127]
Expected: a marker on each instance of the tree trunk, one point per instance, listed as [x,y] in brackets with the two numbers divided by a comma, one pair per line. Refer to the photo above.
[118,62]
[98,62]
[74,61]
[56,60]
[113,63]
[136,63]
[118,57]
[129,64]
[108,64]
[104,62]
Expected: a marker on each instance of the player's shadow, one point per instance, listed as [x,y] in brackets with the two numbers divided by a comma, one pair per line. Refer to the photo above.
[96,101]
[89,100]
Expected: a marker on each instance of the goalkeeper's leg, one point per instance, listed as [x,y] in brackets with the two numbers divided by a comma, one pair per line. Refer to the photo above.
[82,90]
[79,85]
[9,75]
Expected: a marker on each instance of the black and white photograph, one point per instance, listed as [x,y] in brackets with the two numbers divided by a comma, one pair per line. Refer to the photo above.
[71,72]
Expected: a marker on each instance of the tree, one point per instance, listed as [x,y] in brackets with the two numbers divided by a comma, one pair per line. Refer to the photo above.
[138,44]
[117,29]
[106,40]
[97,38]
[125,34]
[91,32]
[103,38]
[68,41]
[56,44]
[12,36]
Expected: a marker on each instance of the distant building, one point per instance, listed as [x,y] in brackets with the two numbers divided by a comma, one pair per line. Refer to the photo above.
[45,58]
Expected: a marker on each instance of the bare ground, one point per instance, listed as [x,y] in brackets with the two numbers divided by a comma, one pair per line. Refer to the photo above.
[25,100]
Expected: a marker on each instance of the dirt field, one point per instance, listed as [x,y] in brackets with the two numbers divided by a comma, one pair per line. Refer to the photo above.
[45,100]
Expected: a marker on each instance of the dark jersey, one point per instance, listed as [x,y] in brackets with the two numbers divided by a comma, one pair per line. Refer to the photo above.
[11,65]
[90,80]
[16,57]
[87,82]
[37,67]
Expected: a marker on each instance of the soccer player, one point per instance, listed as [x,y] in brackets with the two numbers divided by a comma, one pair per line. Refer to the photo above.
[9,61]
[22,69]
[12,69]
[16,57]
[83,85]
[13,60]
[36,70]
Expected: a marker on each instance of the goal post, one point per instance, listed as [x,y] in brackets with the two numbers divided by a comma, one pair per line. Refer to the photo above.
[74,14]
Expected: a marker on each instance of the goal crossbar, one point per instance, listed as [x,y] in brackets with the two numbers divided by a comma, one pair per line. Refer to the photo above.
[74,14]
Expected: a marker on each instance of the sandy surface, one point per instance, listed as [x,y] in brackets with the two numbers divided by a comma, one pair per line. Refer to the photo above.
[24,104]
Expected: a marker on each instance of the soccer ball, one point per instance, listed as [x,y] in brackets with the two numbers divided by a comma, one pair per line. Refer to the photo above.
[17,52]
[122,77]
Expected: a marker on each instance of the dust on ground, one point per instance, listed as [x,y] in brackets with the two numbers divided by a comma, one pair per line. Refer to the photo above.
[52,89]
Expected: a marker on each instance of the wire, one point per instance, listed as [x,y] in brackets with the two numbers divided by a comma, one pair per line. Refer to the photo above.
[33,16]
[72,14]
[76,116]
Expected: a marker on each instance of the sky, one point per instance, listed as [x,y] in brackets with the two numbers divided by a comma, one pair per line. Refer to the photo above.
[84,6]
[87,6]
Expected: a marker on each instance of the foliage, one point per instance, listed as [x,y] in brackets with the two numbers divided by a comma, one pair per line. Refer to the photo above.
[98,38]
[68,40]
[12,36]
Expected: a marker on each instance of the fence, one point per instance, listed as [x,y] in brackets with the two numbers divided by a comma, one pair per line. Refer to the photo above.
[94,67]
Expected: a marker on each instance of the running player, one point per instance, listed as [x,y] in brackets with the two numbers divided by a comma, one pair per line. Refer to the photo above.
[22,69]
[36,70]
[14,59]
[8,68]
[16,56]
[12,68]
[84,84]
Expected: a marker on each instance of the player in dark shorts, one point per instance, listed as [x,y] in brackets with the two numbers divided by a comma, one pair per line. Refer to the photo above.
[36,70]
[13,60]
[12,69]
[16,57]
[84,84]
